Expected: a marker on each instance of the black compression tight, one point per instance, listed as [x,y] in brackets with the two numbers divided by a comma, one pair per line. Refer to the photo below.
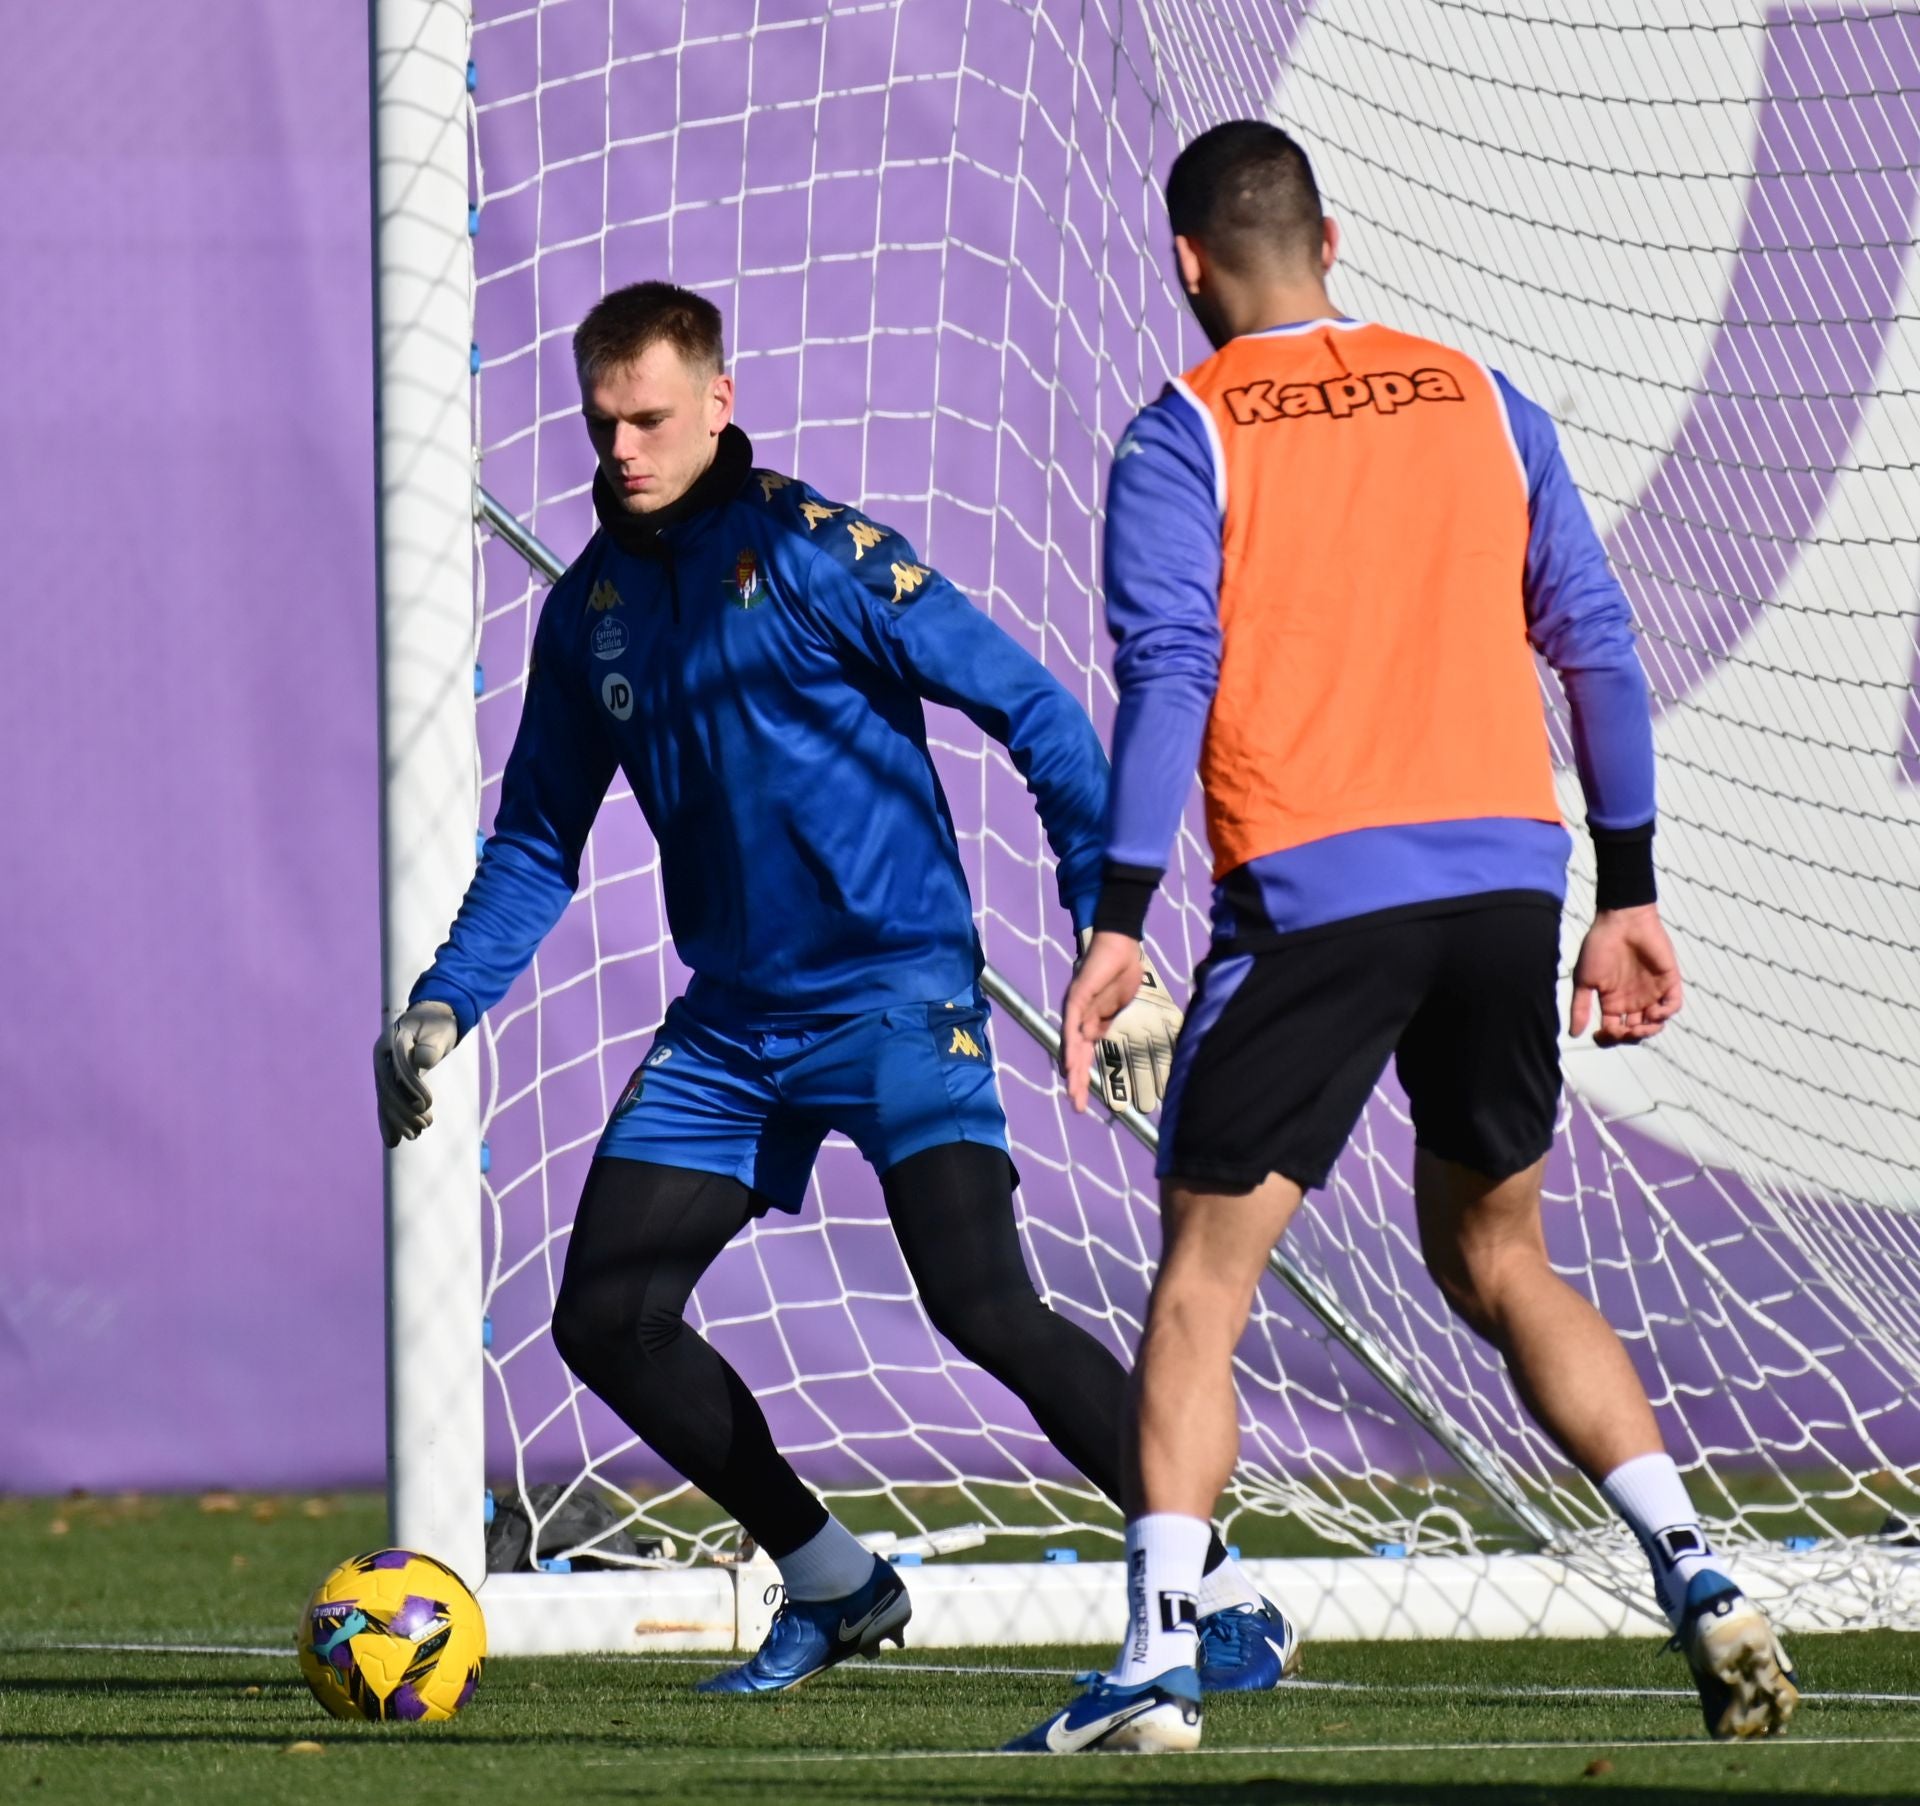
[645,1234]
[641,1239]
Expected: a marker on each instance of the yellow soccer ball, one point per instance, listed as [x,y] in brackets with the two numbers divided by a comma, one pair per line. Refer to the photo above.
[392,1635]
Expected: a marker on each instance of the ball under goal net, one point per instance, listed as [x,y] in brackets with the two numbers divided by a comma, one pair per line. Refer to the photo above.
[936,231]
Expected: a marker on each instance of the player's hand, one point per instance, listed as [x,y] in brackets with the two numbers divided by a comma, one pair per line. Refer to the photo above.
[1629,964]
[1105,981]
[421,1037]
[1135,1055]
[1120,1026]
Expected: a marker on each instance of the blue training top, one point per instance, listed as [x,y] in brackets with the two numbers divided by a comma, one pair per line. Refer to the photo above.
[757,669]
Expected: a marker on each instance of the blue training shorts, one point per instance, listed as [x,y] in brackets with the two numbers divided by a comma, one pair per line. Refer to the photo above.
[753,1097]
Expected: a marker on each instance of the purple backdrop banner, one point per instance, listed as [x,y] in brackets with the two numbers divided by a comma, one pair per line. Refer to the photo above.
[190,1261]
[189,1183]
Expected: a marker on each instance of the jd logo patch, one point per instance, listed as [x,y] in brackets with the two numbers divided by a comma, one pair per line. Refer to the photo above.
[617,694]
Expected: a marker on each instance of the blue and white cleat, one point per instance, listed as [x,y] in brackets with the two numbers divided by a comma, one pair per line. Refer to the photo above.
[1745,1678]
[809,1635]
[1247,1648]
[1148,1719]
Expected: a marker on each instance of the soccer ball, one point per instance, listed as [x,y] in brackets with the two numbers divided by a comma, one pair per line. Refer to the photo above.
[392,1635]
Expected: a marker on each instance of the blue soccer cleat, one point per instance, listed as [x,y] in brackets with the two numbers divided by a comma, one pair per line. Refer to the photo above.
[811,1634]
[1745,1678]
[1148,1719]
[1247,1648]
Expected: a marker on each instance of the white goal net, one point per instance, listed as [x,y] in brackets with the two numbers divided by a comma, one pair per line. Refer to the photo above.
[936,231]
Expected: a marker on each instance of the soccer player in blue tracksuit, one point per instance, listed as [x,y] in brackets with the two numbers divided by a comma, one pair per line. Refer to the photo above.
[755,660]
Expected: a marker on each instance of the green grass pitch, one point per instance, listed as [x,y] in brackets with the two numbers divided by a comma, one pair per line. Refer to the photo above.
[1494,1724]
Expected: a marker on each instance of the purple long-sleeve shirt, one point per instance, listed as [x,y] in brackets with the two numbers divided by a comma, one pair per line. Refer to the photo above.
[1163,572]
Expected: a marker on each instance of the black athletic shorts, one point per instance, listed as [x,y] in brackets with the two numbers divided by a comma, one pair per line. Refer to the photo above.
[1283,1047]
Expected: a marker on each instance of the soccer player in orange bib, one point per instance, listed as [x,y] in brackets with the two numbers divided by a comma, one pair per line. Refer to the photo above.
[1332,550]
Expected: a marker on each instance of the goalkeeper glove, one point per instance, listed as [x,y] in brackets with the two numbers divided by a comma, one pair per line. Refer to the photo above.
[1134,1059]
[421,1037]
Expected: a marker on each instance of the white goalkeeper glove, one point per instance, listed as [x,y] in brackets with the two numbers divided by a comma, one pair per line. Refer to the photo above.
[1134,1060]
[421,1037]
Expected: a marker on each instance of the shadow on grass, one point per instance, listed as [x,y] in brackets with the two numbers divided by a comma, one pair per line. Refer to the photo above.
[93,1685]
[1225,1790]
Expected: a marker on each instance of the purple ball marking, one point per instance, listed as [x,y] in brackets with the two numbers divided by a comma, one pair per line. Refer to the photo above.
[416,1614]
[392,1558]
[405,1703]
[467,1692]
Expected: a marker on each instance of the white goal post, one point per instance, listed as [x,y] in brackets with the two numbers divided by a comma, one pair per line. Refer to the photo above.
[423,446]
[937,237]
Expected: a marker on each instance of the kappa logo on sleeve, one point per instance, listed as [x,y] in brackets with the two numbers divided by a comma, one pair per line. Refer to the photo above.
[1382,391]
[964,1043]
[813,513]
[906,579]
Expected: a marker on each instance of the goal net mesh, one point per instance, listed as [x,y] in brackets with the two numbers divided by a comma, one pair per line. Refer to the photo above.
[937,234]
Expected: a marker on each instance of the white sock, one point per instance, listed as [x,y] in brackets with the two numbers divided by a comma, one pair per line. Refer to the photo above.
[1165,1553]
[830,1564]
[1226,1587]
[1650,1495]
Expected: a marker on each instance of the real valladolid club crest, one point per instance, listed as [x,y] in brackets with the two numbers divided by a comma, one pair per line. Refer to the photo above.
[747,587]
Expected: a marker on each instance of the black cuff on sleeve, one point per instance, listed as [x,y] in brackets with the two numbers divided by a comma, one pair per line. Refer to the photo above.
[1623,867]
[1125,892]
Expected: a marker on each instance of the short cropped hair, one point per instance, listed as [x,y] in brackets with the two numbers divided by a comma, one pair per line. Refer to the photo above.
[1246,191]
[620,327]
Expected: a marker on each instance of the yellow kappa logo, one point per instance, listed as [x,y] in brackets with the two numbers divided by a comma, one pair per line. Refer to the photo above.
[964,1043]
[865,537]
[604,597]
[769,482]
[906,579]
[813,513]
